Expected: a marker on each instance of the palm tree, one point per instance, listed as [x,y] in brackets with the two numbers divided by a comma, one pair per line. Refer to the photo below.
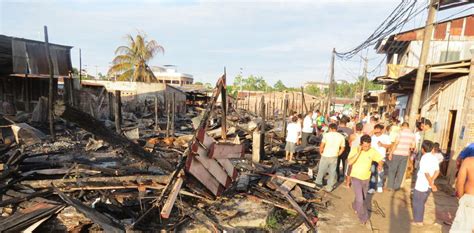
[130,63]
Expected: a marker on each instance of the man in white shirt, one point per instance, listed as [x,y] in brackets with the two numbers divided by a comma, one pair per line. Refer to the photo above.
[331,147]
[307,129]
[380,142]
[292,136]
[427,174]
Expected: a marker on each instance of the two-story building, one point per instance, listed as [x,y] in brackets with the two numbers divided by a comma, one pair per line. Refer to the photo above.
[447,87]
[169,74]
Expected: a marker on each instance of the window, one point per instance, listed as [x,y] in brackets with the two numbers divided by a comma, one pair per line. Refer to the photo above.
[447,56]
[167,81]
[175,82]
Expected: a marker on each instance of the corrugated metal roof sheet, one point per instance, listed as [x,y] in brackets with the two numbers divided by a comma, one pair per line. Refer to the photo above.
[23,56]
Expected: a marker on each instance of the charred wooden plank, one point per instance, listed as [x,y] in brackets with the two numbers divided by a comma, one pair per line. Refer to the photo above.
[168,206]
[96,127]
[108,224]
[163,179]
[22,219]
[16,200]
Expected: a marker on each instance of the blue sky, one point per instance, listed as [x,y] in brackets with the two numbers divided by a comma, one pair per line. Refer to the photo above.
[279,40]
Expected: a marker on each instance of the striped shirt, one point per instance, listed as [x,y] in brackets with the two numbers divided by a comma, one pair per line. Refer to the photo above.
[405,141]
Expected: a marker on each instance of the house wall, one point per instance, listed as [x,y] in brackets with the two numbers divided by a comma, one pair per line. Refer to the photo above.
[139,91]
[411,57]
[19,92]
[436,104]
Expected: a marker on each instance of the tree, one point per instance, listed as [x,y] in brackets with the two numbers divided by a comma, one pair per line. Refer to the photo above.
[131,60]
[101,76]
[313,90]
[279,86]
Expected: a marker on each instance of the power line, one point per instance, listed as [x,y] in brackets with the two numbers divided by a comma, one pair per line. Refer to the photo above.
[397,18]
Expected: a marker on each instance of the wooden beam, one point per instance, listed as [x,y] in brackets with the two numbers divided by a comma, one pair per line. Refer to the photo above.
[195,168]
[60,183]
[309,184]
[168,206]
[51,87]
[226,151]
[88,123]
[436,70]
[118,112]
[296,207]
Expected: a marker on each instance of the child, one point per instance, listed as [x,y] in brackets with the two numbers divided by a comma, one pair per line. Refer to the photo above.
[427,173]
[292,136]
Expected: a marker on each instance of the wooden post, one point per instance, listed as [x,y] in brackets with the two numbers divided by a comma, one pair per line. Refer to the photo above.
[110,96]
[27,93]
[156,114]
[257,146]
[51,86]
[173,113]
[224,107]
[285,116]
[168,117]
[248,101]
[303,102]
[118,112]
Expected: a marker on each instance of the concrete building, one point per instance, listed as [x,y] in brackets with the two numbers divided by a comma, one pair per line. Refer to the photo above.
[319,85]
[169,74]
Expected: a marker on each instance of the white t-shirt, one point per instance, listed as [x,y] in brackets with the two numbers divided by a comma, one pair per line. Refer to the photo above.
[308,125]
[428,164]
[333,141]
[439,156]
[293,132]
[384,139]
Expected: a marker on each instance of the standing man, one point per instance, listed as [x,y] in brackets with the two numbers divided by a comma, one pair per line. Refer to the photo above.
[463,222]
[331,147]
[307,128]
[361,159]
[425,182]
[346,132]
[292,136]
[380,142]
[398,157]
[369,126]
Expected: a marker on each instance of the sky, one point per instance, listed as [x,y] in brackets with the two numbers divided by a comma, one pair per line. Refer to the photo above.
[278,40]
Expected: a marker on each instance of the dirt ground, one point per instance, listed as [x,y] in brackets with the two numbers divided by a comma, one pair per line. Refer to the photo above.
[440,208]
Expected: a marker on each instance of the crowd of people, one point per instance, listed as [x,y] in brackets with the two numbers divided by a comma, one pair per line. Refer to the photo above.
[373,155]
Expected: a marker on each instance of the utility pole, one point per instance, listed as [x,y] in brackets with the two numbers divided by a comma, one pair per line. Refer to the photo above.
[420,74]
[364,80]
[331,82]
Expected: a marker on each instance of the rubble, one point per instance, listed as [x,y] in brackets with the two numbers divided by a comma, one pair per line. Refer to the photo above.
[143,179]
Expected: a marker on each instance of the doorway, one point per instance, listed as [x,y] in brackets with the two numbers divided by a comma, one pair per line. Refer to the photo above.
[451,125]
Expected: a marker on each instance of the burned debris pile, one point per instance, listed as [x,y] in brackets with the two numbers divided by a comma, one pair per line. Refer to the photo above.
[204,171]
